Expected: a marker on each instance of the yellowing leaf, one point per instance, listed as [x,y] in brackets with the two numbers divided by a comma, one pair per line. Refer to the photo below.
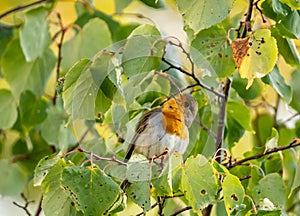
[256,55]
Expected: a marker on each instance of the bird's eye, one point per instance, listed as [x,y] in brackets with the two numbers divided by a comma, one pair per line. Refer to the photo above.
[186,104]
[171,107]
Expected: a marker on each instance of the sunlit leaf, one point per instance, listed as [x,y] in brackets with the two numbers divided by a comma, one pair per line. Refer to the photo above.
[55,201]
[287,26]
[256,55]
[265,190]
[296,181]
[233,192]
[139,192]
[8,109]
[22,75]
[90,189]
[213,44]
[199,15]
[34,34]
[199,183]
[43,168]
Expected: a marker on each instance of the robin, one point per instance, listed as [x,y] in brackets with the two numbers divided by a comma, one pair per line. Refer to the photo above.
[164,128]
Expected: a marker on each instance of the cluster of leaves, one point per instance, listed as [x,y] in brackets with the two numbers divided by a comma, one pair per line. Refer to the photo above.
[67,137]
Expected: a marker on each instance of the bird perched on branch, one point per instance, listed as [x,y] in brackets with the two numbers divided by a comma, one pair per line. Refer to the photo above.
[164,128]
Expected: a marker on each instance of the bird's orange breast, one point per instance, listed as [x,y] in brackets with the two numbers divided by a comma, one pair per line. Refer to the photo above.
[173,120]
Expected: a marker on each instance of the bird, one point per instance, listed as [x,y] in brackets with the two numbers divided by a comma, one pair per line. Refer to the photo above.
[163,130]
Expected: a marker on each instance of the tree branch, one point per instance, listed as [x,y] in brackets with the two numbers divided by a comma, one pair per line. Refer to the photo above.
[248,19]
[294,143]
[221,119]
[181,210]
[21,7]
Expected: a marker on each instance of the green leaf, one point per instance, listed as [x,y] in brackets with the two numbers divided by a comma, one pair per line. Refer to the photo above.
[292,4]
[149,53]
[13,179]
[90,189]
[287,25]
[240,113]
[120,5]
[272,141]
[43,168]
[154,3]
[277,81]
[213,44]
[94,37]
[240,84]
[234,131]
[34,34]
[51,126]
[256,55]
[6,35]
[55,201]
[265,190]
[233,192]
[8,109]
[139,193]
[22,75]
[199,182]
[198,15]
[295,80]
[287,48]
[296,181]
[33,110]
[82,92]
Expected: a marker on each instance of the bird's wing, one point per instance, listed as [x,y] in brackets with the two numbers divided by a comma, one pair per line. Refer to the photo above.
[141,126]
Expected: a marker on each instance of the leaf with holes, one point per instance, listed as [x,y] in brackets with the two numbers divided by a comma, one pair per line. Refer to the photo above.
[256,55]
[139,193]
[213,44]
[198,15]
[199,182]
[90,189]
[233,192]
[55,201]
[265,190]
[43,168]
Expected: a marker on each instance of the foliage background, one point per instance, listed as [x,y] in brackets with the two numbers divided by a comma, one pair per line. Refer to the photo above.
[273,121]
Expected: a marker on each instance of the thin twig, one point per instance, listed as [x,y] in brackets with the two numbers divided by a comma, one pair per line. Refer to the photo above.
[181,210]
[21,7]
[59,55]
[205,128]
[294,143]
[25,207]
[80,140]
[96,157]
[39,209]
[211,89]
[247,19]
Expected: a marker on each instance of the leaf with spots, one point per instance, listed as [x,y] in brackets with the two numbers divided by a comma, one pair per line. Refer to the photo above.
[265,190]
[198,15]
[199,182]
[43,168]
[91,191]
[55,201]
[213,45]
[256,55]
[139,193]
[233,192]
